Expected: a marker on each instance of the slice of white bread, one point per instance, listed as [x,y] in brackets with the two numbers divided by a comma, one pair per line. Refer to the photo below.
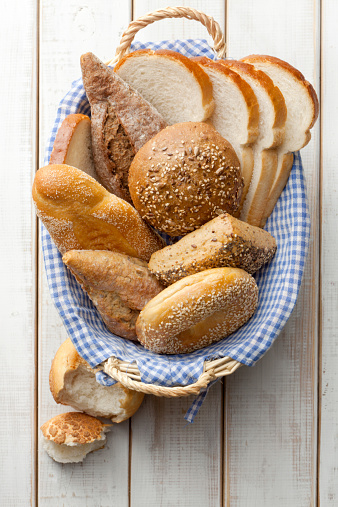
[272,118]
[176,86]
[72,382]
[236,113]
[69,437]
[302,107]
[73,144]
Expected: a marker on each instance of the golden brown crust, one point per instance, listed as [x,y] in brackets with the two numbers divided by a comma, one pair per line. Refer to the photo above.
[295,72]
[198,310]
[80,214]
[64,136]
[185,176]
[73,428]
[222,242]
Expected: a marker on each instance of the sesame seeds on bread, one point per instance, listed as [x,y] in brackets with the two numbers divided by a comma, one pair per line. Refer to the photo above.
[223,242]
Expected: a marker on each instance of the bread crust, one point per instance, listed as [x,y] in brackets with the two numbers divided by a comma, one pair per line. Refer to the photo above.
[185,176]
[64,136]
[74,428]
[197,310]
[80,214]
[222,242]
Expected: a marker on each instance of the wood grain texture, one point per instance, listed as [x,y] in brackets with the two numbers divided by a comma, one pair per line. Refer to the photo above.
[271,409]
[18,273]
[328,458]
[67,30]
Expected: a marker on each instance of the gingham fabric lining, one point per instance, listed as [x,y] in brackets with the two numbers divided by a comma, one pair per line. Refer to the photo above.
[278,282]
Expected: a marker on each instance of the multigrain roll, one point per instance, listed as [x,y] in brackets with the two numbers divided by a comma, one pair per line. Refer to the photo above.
[198,310]
[185,176]
[80,214]
[223,242]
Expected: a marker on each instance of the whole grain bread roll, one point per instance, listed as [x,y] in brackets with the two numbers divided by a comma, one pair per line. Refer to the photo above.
[185,176]
[198,310]
[80,214]
[223,242]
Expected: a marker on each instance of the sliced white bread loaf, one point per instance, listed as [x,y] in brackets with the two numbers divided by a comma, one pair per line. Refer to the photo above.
[177,87]
[236,113]
[73,144]
[302,112]
[272,118]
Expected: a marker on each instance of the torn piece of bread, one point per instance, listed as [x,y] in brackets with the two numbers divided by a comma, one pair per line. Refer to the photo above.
[69,437]
[302,112]
[118,285]
[72,382]
[122,122]
[222,242]
[272,118]
[179,89]
[73,144]
[236,113]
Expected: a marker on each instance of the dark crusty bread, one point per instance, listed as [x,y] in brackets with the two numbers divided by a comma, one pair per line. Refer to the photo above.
[224,241]
[119,286]
[185,176]
[122,122]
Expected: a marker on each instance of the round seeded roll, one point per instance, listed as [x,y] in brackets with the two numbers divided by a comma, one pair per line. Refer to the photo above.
[185,176]
[198,310]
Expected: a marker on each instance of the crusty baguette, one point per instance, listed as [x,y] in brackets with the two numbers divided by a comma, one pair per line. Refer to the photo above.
[236,113]
[272,113]
[122,122]
[303,108]
[222,242]
[179,89]
[80,214]
[73,144]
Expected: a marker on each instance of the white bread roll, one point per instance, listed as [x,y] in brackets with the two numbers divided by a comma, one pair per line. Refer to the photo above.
[72,382]
[198,310]
[69,437]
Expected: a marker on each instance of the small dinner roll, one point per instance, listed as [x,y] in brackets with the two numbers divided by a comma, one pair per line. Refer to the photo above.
[198,310]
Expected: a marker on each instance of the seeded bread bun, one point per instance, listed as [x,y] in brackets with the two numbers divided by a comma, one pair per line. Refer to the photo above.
[185,176]
[198,310]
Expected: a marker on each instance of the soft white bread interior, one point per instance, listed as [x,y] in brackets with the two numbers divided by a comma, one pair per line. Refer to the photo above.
[272,118]
[73,144]
[302,112]
[72,382]
[69,437]
[176,86]
[236,113]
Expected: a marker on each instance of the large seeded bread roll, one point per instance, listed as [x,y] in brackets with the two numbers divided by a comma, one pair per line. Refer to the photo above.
[222,242]
[178,88]
[236,113]
[72,382]
[80,214]
[73,144]
[272,118]
[198,310]
[69,437]
[303,108]
[185,176]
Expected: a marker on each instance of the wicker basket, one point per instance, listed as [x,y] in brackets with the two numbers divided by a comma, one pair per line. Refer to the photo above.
[128,373]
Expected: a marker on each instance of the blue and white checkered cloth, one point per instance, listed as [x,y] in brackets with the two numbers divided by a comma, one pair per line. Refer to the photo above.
[278,282]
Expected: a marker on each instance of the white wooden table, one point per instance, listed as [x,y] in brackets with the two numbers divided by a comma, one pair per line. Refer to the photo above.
[267,436]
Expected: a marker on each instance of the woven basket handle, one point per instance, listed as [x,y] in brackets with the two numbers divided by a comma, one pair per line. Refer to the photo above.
[170,12]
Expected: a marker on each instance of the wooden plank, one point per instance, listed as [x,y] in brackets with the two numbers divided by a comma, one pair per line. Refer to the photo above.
[270,410]
[328,450]
[18,229]
[69,29]
[173,463]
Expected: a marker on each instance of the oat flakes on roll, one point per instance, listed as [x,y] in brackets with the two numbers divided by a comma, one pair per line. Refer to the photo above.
[223,242]
[198,310]
[185,176]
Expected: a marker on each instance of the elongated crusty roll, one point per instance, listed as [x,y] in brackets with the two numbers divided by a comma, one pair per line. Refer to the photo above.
[223,242]
[198,310]
[80,214]
[72,382]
